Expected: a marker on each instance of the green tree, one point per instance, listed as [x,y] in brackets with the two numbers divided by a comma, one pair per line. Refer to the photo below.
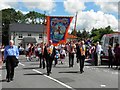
[8,17]
[85,34]
[33,16]
[97,34]
[20,18]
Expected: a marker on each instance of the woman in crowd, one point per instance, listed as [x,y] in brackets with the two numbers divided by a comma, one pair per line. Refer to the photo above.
[62,55]
[57,56]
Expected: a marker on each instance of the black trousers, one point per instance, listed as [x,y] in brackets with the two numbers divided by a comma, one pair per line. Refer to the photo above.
[110,64]
[56,61]
[42,62]
[96,60]
[10,65]
[82,60]
[71,59]
[40,58]
[49,64]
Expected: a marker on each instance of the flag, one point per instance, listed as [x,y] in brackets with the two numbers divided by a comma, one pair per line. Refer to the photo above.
[57,28]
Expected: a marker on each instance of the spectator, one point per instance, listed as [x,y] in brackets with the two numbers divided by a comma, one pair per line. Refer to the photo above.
[110,56]
[98,53]
[117,54]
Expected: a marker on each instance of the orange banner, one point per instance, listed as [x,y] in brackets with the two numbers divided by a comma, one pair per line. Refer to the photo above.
[57,29]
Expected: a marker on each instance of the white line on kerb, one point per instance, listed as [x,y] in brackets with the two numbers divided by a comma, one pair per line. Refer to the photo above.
[21,64]
[54,80]
[103,85]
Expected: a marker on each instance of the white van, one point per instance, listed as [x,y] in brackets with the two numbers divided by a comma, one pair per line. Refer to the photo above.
[109,39]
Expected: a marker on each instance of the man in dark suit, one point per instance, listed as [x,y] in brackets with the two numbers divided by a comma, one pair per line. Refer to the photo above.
[78,53]
[82,57]
[81,54]
[49,53]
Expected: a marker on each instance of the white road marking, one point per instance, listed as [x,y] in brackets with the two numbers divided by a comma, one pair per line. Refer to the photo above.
[114,72]
[103,85]
[105,70]
[63,84]
[87,66]
[0,75]
[21,64]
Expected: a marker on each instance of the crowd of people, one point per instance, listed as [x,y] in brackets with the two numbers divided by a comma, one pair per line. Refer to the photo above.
[89,50]
[47,53]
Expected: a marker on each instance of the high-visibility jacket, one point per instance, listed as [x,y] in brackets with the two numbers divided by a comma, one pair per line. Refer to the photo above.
[82,50]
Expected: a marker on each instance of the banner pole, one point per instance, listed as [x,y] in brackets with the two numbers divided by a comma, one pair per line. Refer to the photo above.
[44,27]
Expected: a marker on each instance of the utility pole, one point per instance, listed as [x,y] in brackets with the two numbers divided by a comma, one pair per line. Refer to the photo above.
[44,26]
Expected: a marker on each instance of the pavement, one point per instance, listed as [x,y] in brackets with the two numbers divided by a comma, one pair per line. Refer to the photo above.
[29,75]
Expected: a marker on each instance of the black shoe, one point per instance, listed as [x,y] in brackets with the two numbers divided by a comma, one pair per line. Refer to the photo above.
[8,80]
[81,71]
[40,67]
[48,74]
[11,79]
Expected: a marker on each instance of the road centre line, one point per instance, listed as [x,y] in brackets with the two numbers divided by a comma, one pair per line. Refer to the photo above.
[63,84]
[21,64]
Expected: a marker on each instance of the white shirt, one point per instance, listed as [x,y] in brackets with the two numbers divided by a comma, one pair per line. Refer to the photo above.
[63,52]
[98,48]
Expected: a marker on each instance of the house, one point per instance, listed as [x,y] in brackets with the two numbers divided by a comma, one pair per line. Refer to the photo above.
[22,34]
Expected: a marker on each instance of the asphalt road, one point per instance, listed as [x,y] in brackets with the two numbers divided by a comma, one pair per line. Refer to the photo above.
[29,75]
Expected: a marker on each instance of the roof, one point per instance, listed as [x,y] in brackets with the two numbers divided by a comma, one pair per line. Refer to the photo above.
[69,36]
[17,27]
[29,40]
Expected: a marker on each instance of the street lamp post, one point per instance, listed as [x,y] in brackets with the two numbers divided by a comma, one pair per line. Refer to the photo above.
[14,37]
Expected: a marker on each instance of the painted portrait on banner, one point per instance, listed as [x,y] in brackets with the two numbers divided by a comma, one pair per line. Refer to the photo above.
[58,28]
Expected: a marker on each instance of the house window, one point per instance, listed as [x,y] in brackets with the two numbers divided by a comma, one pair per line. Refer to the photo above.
[29,34]
[40,35]
[20,36]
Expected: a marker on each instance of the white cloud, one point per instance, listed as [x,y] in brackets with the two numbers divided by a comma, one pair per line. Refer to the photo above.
[44,5]
[24,12]
[4,4]
[89,19]
[72,6]
[108,6]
